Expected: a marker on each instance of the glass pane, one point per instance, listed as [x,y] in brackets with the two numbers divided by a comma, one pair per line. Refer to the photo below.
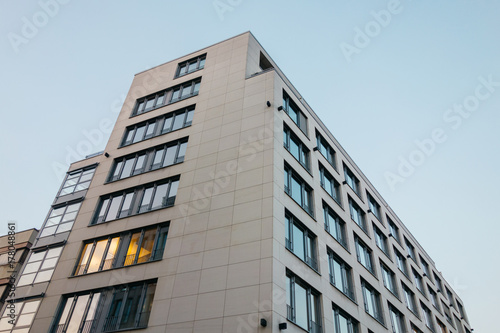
[301,307]
[167,124]
[337,275]
[196,87]
[189,118]
[343,324]
[53,221]
[149,103]
[25,319]
[160,244]
[113,208]
[55,252]
[26,279]
[157,158]
[118,168]
[160,199]
[64,227]
[82,186]
[140,106]
[294,149]
[147,246]
[173,189]
[146,199]
[182,152]
[111,254]
[69,217]
[179,121]
[139,166]
[95,262]
[32,267]
[67,190]
[175,94]
[202,63]
[125,210]
[57,211]
[293,114]
[186,91]
[129,136]
[150,130]
[30,307]
[183,69]
[48,231]
[93,307]
[160,100]
[192,66]
[67,307]
[83,259]
[146,307]
[49,263]
[131,307]
[170,155]
[77,315]
[298,242]
[296,191]
[132,249]
[44,276]
[114,310]
[127,168]
[139,133]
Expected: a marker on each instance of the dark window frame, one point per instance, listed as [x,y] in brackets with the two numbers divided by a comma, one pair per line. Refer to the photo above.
[288,106]
[339,225]
[306,195]
[310,252]
[304,157]
[334,191]
[313,319]
[199,62]
[346,285]
[326,150]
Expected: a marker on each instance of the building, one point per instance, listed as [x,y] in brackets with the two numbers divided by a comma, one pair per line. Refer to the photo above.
[14,249]
[222,203]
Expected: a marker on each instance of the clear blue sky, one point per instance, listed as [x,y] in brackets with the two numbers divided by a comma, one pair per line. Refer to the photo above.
[429,71]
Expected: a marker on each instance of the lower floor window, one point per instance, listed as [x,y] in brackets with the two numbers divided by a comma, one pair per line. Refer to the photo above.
[343,322]
[397,320]
[303,307]
[23,315]
[121,307]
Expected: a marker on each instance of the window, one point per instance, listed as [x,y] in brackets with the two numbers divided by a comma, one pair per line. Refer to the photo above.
[438,282]
[331,186]
[294,112]
[434,298]
[458,324]
[371,299]
[60,219]
[301,241]
[124,307]
[450,297]
[158,126]
[410,299]
[334,225]
[364,254]
[303,306]
[427,316]
[326,150]
[137,200]
[425,267]
[389,279]
[381,240]
[40,266]
[411,250]
[447,313]
[351,180]
[374,206]
[148,160]
[78,180]
[394,230]
[340,274]
[343,322]
[397,320]
[462,312]
[357,214]
[441,326]
[124,249]
[24,313]
[415,329]
[298,189]
[418,281]
[293,144]
[191,65]
[167,96]
[401,262]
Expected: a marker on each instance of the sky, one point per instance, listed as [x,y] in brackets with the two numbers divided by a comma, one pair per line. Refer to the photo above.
[411,89]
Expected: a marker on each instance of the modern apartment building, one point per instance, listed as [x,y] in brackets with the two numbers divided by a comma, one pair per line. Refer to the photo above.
[222,203]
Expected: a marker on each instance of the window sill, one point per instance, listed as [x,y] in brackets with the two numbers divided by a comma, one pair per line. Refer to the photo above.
[115,268]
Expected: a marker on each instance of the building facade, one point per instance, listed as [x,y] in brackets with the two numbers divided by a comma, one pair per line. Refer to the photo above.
[222,203]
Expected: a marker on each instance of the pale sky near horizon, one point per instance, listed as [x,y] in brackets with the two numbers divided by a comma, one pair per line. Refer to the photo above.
[386,77]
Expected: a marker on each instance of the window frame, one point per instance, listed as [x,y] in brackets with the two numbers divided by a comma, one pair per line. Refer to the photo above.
[312,295]
[354,207]
[374,206]
[409,297]
[381,240]
[198,60]
[346,284]
[401,262]
[395,314]
[389,277]
[394,230]
[81,173]
[372,301]
[326,150]
[43,231]
[288,105]
[334,192]
[339,225]
[304,153]
[308,238]
[367,254]
[352,324]
[306,190]
[352,181]
[40,269]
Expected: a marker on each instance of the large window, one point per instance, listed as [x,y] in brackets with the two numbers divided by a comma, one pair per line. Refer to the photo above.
[326,150]
[447,313]
[78,180]
[40,266]
[438,282]
[450,297]
[371,299]
[148,160]
[340,274]
[394,230]
[331,186]
[462,312]
[411,250]
[301,241]
[24,313]
[427,316]
[364,254]
[425,267]
[418,281]
[374,206]
[124,249]
[343,322]
[303,305]
[389,279]
[441,326]
[191,65]
[61,219]
[293,144]
[298,189]
[397,320]
[381,240]
[401,262]
[137,200]
[119,308]
[294,112]
[434,298]
[164,97]
[334,225]
[410,299]
[154,127]
[351,180]
[357,215]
